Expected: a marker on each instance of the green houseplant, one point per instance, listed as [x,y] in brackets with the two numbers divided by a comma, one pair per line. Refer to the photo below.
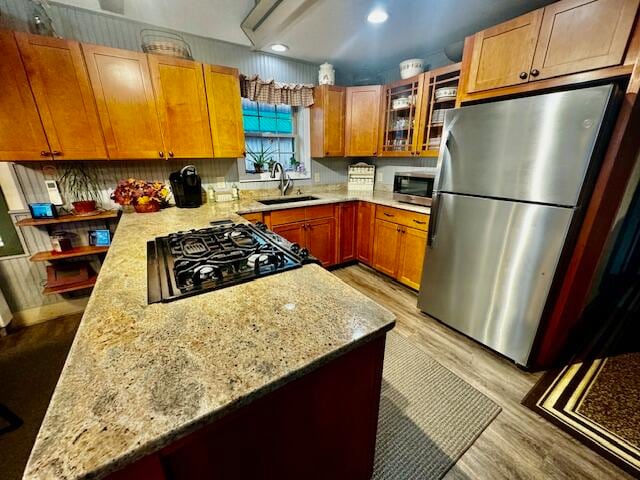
[260,158]
[81,187]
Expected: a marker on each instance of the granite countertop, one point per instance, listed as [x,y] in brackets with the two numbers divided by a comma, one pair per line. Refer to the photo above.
[138,376]
[342,195]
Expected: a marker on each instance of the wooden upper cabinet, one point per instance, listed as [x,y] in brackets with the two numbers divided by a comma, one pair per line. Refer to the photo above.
[126,106]
[182,106]
[580,35]
[502,55]
[361,120]
[61,87]
[21,134]
[327,121]
[225,111]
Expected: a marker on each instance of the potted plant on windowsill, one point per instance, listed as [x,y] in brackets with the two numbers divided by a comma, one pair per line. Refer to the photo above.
[82,187]
[145,197]
[260,158]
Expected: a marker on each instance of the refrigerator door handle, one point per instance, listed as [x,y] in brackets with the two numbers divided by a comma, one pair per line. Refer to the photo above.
[435,205]
[435,198]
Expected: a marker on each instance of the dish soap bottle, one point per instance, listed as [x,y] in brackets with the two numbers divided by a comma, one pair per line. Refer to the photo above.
[235,192]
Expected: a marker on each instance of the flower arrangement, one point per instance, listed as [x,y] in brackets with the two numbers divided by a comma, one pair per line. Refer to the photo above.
[144,196]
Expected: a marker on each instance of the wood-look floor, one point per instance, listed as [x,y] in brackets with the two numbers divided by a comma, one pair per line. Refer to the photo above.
[518,444]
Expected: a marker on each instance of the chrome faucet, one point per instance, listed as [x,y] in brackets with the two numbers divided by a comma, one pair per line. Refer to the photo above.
[285,181]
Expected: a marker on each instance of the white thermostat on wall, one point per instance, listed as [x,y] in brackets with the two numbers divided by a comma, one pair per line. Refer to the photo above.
[54,193]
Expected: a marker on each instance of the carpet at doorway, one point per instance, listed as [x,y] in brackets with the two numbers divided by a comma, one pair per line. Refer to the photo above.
[596,397]
[428,416]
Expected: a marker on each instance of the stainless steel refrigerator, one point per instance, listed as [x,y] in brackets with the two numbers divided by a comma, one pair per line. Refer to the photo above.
[513,179]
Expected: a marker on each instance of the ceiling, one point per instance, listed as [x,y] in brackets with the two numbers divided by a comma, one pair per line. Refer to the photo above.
[208,18]
[336,30]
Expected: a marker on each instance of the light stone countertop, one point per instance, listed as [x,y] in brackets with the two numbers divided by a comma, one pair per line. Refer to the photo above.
[380,198]
[138,377]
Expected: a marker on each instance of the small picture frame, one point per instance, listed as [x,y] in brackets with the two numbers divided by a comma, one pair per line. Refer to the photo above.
[100,238]
[43,210]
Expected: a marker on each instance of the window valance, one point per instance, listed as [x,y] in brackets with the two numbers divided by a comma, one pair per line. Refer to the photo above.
[270,91]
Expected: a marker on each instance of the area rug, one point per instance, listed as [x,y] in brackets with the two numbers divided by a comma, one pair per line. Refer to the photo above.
[596,398]
[428,416]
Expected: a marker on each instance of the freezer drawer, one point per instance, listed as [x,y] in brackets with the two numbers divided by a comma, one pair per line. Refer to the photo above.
[534,149]
[489,269]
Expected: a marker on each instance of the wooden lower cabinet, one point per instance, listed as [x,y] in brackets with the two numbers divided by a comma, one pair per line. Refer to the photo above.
[398,251]
[253,217]
[364,232]
[412,249]
[320,240]
[294,232]
[394,243]
[318,236]
[347,232]
[386,247]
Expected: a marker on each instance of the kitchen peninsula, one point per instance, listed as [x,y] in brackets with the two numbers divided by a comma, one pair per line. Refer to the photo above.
[269,376]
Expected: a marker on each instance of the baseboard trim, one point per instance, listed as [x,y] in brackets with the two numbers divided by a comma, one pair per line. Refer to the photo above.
[44,313]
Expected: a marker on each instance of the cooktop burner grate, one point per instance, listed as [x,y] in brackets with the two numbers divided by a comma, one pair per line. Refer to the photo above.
[187,263]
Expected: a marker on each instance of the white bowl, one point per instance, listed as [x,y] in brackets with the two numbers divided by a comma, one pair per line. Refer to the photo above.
[411,67]
[446,92]
[401,102]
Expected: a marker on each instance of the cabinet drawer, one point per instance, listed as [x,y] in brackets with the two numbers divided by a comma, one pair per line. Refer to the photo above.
[290,215]
[320,211]
[253,217]
[416,220]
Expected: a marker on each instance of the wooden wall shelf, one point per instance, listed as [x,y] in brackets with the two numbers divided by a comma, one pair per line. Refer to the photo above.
[74,252]
[70,288]
[36,222]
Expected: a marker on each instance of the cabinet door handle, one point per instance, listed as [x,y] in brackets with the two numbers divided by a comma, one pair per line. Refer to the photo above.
[535,72]
[397,229]
[56,153]
[170,153]
[161,154]
[420,222]
[523,75]
[44,153]
[389,214]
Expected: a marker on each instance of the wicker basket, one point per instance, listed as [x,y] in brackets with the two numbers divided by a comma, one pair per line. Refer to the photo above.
[165,43]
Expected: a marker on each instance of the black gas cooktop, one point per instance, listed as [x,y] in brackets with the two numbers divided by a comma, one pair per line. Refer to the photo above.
[197,261]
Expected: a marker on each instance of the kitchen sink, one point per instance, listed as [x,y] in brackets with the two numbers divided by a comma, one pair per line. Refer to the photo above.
[278,201]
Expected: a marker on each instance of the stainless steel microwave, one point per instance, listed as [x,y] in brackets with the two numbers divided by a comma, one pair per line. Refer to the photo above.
[413,187]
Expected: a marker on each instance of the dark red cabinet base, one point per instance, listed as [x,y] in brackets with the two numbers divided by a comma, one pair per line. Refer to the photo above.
[320,426]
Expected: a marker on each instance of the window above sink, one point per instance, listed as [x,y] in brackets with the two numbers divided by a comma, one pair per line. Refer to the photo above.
[277,133]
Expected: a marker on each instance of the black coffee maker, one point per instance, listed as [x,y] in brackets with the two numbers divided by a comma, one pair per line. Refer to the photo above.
[187,187]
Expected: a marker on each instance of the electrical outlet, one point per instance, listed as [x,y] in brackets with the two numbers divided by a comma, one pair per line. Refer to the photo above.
[316,177]
[380,176]
[220,183]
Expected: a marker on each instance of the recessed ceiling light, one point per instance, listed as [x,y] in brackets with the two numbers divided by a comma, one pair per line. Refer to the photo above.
[279,47]
[377,16]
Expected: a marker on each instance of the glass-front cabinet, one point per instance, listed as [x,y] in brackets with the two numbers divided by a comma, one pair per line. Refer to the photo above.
[401,110]
[439,95]
[413,112]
